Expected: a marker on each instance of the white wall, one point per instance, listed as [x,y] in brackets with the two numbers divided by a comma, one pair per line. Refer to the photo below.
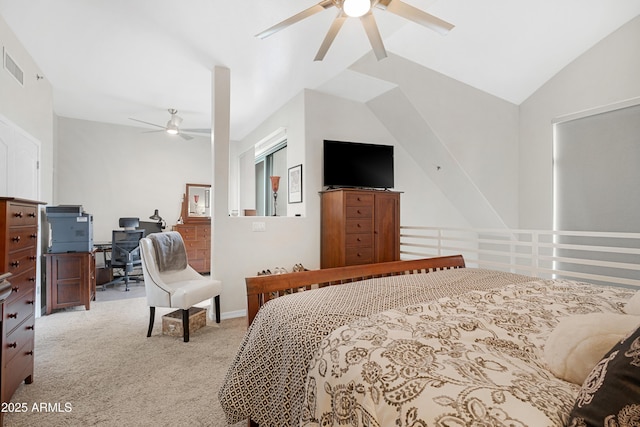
[477,130]
[118,171]
[606,74]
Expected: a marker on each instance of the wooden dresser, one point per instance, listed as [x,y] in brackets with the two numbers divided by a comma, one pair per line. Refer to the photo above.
[18,256]
[71,280]
[197,240]
[359,227]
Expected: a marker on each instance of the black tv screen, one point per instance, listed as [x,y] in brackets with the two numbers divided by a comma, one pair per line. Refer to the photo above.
[353,164]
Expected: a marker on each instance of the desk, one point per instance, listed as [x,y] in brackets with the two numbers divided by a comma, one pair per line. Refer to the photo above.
[71,280]
[104,273]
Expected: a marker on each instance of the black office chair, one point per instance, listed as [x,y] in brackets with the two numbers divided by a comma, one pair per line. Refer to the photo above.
[125,251]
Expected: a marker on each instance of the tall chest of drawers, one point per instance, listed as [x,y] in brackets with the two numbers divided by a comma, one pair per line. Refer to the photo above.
[197,242]
[18,256]
[359,227]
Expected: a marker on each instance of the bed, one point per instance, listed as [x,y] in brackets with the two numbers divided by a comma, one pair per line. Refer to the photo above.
[406,343]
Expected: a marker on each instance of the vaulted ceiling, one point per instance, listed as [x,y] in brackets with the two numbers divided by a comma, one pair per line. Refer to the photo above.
[110,60]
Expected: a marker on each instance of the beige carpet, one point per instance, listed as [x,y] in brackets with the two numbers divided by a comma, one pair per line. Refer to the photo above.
[99,368]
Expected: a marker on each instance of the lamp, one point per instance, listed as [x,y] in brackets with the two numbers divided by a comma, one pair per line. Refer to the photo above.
[275,184]
[356,8]
[156,217]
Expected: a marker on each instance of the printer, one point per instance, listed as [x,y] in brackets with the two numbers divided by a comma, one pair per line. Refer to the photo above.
[71,229]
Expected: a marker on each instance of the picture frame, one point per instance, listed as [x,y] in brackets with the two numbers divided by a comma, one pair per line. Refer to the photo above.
[294,184]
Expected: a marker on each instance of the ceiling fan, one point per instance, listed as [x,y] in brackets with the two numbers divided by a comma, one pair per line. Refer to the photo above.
[173,126]
[362,9]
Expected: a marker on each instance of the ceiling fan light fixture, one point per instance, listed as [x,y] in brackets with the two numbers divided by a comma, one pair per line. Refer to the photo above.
[356,8]
[172,128]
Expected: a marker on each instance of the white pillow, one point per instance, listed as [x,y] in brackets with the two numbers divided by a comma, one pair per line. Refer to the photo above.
[633,305]
[579,342]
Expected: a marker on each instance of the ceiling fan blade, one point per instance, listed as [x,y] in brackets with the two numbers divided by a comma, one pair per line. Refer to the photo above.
[330,37]
[202,130]
[416,15]
[146,123]
[185,136]
[325,4]
[371,28]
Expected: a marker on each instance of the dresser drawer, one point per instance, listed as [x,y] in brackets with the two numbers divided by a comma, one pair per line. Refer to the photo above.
[20,215]
[16,341]
[21,261]
[22,238]
[359,239]
[15,312]
[196,244]
[358,199]
[364,225]
[359,256]
[359,211]
[23,283]
[19,369]
[188,232]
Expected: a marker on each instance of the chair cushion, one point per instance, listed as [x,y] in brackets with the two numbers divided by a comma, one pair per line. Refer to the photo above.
[187,293]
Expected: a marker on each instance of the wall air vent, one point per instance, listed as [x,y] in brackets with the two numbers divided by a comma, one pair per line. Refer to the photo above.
[13,68]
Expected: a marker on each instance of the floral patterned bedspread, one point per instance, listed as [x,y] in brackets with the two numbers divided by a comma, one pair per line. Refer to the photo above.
[266,380]
[475,359]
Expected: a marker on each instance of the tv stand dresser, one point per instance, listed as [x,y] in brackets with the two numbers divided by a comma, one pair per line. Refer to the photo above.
[359,227]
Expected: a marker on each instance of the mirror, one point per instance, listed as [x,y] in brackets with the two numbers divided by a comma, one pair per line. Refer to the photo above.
[196,206]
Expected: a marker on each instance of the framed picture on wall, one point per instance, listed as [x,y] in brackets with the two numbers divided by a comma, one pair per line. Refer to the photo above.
[295,184]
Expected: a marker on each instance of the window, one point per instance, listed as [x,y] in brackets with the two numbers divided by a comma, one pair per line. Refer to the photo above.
[271,160]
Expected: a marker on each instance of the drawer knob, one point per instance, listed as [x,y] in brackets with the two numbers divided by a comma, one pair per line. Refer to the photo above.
[32,258]
[31,279]
[18,214]
[34,236]
[29,353]
[12,345]
[31,302]
[31,328]
[15,289]
[15,239]
[12,315]
[14,263]
[32,215]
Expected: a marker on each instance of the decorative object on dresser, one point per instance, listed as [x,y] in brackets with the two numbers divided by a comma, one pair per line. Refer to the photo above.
[359,227]
[196,227]
[71,280]
[18,256]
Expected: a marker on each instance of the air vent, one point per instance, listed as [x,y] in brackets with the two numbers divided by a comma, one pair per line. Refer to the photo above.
[13,68]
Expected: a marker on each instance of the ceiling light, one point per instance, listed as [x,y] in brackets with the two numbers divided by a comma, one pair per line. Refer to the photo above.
[172,128]
[356,8]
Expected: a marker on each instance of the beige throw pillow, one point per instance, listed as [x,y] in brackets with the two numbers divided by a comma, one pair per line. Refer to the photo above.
[633,305]
[579,342]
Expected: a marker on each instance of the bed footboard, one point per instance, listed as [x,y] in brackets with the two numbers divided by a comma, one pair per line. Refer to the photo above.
[261,289]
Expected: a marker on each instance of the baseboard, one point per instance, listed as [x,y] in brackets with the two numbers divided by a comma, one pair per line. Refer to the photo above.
[233,314]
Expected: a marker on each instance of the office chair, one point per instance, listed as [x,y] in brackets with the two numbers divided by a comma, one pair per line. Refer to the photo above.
[169,281]
[125,254]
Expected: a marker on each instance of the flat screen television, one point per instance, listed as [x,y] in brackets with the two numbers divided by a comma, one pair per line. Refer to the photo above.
[355,164]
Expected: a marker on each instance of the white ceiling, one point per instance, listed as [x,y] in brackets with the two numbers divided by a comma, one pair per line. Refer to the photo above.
[109,60]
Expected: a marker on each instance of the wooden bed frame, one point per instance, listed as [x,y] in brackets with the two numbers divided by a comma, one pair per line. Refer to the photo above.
[261,289]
